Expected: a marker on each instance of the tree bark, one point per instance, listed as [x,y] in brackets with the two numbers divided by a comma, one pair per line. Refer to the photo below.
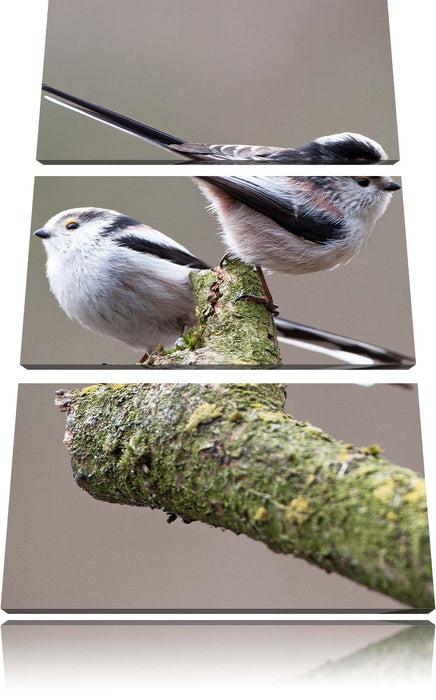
[229,332]
[228,455]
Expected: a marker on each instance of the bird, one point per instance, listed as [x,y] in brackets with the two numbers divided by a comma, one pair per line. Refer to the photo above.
[288,224]
[123,279]
[346,147]
[119,277]
[297,224]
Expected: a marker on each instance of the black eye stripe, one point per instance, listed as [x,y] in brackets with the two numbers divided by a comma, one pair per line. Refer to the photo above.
[117,224]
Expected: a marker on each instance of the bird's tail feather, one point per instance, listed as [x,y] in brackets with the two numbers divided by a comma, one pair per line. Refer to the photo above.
[107,116]
[340,346]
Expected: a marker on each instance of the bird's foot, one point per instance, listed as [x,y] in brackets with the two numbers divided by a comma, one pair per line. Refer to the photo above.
[226,256]
[268,303]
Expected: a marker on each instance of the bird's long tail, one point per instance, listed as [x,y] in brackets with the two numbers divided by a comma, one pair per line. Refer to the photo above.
[348,350]
[107,116]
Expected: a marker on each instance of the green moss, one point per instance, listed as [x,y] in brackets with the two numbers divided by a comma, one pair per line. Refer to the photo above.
[236,416]
[201,451]
[243,331]
[316,432]
[193,338]
[372,450]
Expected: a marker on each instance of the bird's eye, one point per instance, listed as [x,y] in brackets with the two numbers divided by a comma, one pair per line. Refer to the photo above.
[363,181]
[72,224]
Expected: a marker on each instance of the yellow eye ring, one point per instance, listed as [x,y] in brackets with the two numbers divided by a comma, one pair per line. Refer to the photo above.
[363,181]
[72,224]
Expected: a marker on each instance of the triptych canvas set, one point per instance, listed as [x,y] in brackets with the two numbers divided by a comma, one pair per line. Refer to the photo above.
[219,197]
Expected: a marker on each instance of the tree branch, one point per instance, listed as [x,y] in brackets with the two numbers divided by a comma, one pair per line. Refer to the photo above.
[230,332]
[229,456]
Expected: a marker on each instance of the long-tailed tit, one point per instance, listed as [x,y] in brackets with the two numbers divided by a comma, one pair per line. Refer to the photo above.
[297,224]
[119,277]
[128,281]
[337,148]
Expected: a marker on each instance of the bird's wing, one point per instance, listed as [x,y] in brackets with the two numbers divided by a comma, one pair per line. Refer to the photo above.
[166,251]
[236,152]
[335,149]
[277,205]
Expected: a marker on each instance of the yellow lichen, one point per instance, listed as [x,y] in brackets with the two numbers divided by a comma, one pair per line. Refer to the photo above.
[385,492]
[298,511]
[345,457]
[261,515]
[401,477]
[313,430]
[90,389]
[366,469]
[268,416]
[203,414]
[392,516]
[417,494]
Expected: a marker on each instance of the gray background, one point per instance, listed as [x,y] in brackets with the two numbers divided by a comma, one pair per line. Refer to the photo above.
[65,550]
[269,72]
[366,299]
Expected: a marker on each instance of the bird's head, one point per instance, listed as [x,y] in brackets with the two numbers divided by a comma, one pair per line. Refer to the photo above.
[80,227]
[366,195]
[363,197]
[344,148]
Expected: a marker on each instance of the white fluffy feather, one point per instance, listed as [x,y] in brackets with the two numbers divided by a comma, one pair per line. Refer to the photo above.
[113,290]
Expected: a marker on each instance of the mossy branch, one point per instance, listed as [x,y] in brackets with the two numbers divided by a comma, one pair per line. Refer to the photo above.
[229,332]
[229,456]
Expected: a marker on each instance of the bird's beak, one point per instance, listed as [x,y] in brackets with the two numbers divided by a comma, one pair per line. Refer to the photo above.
[41,233]
[391,186]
